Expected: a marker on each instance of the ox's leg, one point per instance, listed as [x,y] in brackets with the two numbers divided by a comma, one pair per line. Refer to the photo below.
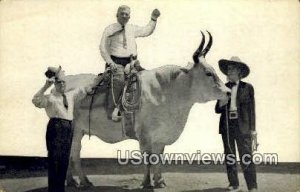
[74,163]
[71,182]
[75,160]
[158,150]
[147,178]
[84,181]
[146,152]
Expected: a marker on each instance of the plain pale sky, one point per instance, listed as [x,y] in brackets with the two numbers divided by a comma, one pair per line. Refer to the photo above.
[264,34]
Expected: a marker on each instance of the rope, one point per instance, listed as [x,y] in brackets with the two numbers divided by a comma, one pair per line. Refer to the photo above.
[124,99]
[131,105]
[112,88]
[227,129]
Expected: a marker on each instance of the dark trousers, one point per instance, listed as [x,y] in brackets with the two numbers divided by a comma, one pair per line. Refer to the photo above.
[58,139]
[243,142]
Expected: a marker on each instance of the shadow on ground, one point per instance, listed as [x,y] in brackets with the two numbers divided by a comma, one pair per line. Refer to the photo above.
[96,189]
[208,190]
[121,189]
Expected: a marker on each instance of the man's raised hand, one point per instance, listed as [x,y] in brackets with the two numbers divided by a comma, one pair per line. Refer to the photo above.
[155,14]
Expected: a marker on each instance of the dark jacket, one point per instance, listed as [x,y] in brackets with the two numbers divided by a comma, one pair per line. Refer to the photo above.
[245,106]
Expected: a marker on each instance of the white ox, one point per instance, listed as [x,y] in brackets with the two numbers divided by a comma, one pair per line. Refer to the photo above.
[167,95]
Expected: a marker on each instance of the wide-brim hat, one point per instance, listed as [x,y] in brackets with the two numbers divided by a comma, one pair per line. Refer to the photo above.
[53,72]
[235,61]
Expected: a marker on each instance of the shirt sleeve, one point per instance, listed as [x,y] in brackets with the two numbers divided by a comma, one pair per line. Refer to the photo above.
[40,100]
[104,45]
[145,30]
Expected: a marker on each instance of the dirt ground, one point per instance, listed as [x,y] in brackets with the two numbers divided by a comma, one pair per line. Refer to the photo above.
[184,182]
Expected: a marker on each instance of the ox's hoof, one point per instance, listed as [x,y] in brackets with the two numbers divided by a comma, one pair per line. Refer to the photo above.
[85,183]
[160,184]
[72,183]
[149,186]
[146,184]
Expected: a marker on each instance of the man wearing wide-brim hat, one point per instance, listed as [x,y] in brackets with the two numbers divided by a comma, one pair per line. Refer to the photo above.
[237,123]
[59,106]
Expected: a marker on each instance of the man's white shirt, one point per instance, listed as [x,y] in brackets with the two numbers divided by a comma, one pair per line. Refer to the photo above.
[113,39]
[54,106]
[234,89]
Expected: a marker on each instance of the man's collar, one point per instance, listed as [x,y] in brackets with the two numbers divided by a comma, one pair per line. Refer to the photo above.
[119,25]
[236,82]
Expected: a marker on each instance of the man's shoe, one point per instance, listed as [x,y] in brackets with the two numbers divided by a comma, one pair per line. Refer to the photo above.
[233,188]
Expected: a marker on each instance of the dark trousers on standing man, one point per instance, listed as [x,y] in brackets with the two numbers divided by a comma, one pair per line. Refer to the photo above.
[59,140]
[243,142]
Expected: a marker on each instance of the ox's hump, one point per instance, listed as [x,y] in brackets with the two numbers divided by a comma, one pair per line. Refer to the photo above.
[155,82]
[163,75]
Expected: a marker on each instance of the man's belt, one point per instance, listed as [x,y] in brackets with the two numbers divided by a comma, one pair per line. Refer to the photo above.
[123,60]
[233,115]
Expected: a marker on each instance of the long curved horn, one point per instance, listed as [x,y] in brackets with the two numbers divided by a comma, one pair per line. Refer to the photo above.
[199,50]
[208,46]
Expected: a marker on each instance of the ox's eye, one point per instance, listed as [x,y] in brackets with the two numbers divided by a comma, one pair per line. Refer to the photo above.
[208,74]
